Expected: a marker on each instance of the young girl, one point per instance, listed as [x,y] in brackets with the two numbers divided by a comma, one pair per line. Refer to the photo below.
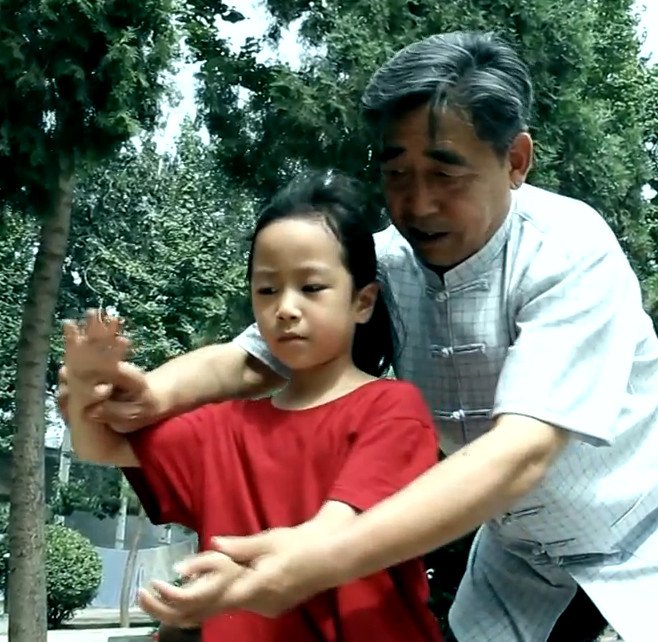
[334,441]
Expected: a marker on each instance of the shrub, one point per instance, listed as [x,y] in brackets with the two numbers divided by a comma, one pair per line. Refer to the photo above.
[73,573]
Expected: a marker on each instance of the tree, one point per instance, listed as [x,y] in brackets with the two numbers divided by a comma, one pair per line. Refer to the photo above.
[163,240]
[77,79]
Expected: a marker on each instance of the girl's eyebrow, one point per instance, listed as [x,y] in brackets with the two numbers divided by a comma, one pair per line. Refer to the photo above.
[303,268]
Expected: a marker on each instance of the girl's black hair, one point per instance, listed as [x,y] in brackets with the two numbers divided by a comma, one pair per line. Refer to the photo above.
[339,202]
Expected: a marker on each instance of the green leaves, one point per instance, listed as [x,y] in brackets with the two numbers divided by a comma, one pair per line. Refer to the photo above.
[73,573]
[163,240]
[17,243]
[77,78]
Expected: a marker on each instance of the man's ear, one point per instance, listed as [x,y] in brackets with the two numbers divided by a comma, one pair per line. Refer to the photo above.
[364,302]
[520,157]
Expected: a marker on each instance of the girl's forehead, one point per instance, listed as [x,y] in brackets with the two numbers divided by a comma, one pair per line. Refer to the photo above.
[294,241]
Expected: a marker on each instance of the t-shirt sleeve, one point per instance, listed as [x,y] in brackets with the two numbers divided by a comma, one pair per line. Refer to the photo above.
[252,343]
[170,477]
[389,451]
[577,326]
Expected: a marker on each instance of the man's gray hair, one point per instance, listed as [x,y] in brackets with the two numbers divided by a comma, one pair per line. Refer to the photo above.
[475,73]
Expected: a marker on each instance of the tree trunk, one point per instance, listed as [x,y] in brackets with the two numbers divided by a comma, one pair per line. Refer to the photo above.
[64,470]
[27,574]
[129,573]
[122,515]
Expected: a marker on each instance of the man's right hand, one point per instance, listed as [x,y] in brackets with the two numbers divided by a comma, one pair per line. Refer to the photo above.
[126,404]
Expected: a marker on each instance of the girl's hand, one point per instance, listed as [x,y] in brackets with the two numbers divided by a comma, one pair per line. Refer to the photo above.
[199,598]
[94,348]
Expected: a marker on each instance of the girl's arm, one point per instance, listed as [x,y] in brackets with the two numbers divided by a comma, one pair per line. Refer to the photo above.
[93,352]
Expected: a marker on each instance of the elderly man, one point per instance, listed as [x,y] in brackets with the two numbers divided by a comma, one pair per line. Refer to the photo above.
[525,330]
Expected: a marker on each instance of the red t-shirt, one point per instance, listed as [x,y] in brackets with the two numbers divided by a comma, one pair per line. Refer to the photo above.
[240,467]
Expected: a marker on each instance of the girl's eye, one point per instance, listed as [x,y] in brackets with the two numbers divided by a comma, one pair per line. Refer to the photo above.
[265,290]
[313,287]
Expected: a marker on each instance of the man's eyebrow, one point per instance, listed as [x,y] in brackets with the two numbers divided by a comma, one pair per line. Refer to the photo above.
[446,156]
[439,154]
[389,152]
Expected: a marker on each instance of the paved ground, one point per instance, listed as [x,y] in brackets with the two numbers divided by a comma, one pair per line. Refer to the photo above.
[89,621]
[92,625]
[88,635]
[89,618]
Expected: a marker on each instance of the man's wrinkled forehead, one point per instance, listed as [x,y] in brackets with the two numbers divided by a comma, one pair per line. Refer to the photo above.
[443,137]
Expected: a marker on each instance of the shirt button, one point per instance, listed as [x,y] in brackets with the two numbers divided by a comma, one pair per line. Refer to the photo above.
[438,351]
[441,297]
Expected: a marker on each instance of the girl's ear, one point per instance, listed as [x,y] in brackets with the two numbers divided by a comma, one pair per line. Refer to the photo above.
[364,302]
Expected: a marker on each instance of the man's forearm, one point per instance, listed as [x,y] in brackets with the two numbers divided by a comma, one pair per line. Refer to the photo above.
[475,484]
[212,373]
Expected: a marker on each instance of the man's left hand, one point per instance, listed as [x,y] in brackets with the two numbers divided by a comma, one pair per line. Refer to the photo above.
[285,566]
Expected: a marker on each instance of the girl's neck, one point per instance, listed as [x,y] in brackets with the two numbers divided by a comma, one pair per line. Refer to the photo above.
[320,385]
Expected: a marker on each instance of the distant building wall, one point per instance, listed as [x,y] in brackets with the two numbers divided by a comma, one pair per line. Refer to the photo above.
[102,532]
[151,563]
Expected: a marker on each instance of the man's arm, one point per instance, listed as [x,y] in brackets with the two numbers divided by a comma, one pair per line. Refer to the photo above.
[475,484]
[95,441]
[212,373]
[454,497]
[329,519]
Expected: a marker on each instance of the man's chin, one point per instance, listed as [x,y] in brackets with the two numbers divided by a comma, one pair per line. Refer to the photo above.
[437,258]
[436,261]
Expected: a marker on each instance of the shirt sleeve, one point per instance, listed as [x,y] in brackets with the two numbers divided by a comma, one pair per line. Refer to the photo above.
[578,325]
[170,476]
[388,453]
[252,343]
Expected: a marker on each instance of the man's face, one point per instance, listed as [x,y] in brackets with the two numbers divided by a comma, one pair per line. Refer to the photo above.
[447,195]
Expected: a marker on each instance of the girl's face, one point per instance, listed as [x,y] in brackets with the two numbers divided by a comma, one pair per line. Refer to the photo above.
[303,296]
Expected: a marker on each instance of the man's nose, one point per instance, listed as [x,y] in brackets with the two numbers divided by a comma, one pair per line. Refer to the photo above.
[421,199]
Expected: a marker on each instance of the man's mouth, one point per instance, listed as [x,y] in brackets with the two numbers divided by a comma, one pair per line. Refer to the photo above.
[425,237]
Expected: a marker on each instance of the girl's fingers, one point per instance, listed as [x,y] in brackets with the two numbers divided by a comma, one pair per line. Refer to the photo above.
[205,562]
[155,607]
